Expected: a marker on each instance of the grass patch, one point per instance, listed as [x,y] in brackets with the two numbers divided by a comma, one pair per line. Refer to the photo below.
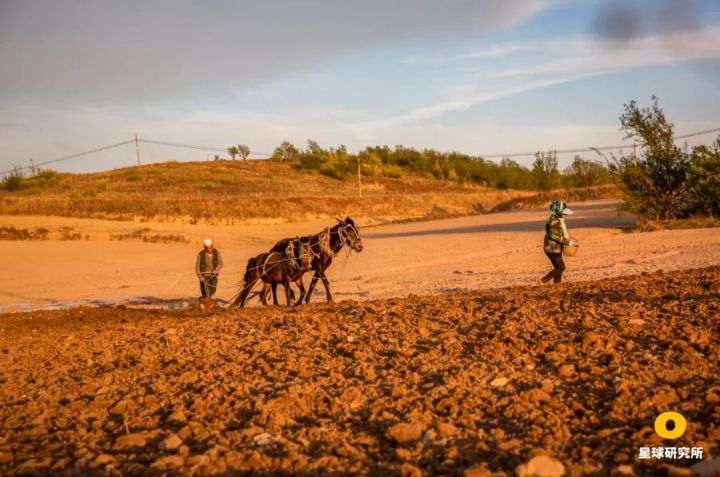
[11,233]
[68,233]
[146,235]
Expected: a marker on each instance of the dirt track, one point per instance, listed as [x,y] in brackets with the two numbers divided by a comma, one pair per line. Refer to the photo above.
[380,387]
[467,253]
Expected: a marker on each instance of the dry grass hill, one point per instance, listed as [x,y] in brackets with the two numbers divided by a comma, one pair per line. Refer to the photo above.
[253,192]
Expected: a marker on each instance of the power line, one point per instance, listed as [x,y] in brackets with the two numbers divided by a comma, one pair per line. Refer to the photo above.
[148,141]
[71,156]
[218,149]
[193,146]
[592,149]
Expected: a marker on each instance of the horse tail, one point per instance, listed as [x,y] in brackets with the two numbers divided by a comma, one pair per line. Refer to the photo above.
[249,280]
[251,267]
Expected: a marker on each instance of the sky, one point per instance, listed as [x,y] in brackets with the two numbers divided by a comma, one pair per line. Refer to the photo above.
[477,76]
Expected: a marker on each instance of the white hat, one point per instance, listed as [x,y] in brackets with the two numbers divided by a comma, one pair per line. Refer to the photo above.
[207,242]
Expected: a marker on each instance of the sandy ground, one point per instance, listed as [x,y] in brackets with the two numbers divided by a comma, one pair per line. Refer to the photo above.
[494,383]
[488,251]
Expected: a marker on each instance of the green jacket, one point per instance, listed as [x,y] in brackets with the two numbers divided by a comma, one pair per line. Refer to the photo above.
[555,235]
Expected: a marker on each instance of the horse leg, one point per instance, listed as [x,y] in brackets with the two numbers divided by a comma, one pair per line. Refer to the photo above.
[301,285]
[327,287]
[313,282]
[274,292]
[286,282]
[264,293]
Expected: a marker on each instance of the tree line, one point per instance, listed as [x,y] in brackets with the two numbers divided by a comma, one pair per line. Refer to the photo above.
[452,166]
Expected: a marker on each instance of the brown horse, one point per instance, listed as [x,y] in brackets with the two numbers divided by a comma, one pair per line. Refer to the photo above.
[275,267]
[344,233]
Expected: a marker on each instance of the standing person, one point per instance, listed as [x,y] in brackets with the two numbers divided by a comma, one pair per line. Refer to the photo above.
[207,266]
[556,235]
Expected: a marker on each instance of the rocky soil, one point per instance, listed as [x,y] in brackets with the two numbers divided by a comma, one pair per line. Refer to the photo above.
[519,380]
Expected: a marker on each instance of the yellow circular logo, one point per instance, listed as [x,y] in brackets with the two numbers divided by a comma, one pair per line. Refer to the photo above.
[670,425]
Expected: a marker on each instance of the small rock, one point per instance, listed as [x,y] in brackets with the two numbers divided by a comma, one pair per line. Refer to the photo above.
[171,442]
[121,407]
[409,470]
[130,440]
[352,339]
[177,416]
[405,432]
[101,460]
[566,371]
[169,462]
[264,439]
[445,429]
[477,471]
[499,382]
[636,321]
[625,469]
[541,466]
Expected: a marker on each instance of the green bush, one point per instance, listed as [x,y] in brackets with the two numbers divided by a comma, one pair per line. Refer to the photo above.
[705,196]
[452,166]
[664,181]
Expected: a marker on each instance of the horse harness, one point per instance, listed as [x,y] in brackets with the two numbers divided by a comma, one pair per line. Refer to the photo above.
[345,239]
[294,258]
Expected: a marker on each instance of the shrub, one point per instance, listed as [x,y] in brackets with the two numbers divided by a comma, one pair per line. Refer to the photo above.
[656,183]
[545,171]
[13,182]
[705,170]
[134,175]
[392,171]
[585,173]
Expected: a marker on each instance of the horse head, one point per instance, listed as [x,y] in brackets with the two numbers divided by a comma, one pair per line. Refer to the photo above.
[305,253]
[350,234]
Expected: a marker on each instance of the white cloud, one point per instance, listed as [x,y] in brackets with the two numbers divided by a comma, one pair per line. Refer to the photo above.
[539,64]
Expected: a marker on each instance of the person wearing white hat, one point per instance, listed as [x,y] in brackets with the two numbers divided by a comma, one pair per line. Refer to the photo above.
[556,235]
[207,266]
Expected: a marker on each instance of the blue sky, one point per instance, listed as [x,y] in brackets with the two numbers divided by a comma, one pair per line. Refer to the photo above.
[480,77]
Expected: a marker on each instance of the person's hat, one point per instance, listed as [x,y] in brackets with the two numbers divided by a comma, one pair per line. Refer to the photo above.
[207,242]
[560,208]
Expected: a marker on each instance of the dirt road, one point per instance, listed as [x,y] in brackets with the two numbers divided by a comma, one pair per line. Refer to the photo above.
[487,251]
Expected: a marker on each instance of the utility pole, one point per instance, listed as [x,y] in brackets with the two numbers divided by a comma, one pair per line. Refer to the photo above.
[137,149]
[359,178]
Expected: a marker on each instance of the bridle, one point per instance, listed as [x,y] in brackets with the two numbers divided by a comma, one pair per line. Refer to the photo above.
[345,236]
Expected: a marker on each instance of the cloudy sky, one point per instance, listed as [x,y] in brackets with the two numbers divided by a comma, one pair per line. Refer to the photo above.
[477,76]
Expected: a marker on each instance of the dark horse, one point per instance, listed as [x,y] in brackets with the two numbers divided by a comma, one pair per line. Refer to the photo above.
[344,233]
[284,266]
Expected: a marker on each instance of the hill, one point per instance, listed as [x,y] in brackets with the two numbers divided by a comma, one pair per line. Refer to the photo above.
[248,192]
